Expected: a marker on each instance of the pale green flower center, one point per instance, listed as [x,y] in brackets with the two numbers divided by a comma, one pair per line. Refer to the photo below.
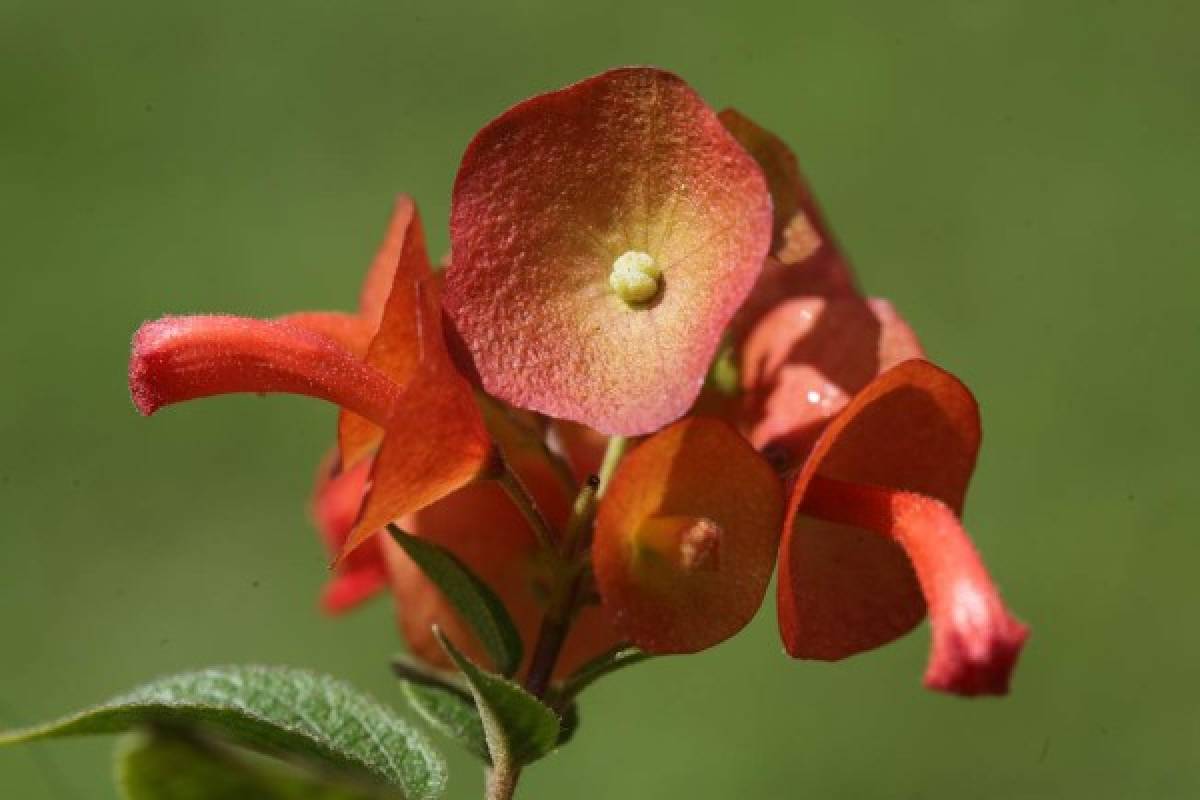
[635,278]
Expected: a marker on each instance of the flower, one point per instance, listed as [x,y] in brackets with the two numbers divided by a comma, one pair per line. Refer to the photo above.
[879,444]
[602,236]
[613,243]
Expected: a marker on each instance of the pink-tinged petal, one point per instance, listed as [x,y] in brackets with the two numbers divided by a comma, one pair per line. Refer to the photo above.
[627,172]
[843,588]
[349,330]
[799,231]
[806,357]
[686,537]
[976,641]
[381,274]
[336,502]
[897,340]
[182,358]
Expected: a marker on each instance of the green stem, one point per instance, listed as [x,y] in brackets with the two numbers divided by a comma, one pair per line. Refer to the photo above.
[617,445]
[525,503]
[502,782]
[564,603]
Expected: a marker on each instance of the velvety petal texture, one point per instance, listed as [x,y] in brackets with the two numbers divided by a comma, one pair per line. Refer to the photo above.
[847,581]
[602,236]
[686,536]
[183,358]
[436,440]
[402,323]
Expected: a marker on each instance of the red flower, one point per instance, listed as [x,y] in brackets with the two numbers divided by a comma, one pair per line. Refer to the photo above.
[608,241]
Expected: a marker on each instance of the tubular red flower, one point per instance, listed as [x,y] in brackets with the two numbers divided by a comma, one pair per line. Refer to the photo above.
[183,358]
[975,640]
[896,461]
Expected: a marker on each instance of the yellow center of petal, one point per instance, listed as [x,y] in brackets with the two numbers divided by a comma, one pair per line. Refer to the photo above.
[635,278]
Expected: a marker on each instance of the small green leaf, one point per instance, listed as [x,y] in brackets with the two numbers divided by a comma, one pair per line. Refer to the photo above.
[167,767]
[449,713]
[275,710]
[615,659]
[471,597]
[518,727]
[446,704]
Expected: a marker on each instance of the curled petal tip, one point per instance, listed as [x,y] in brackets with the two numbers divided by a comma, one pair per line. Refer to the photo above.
[976,650]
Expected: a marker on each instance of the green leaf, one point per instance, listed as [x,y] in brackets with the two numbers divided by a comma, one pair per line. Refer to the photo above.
[618,658]
[471,597]
[275,710]
[518,727]
[167,767]
[447,706]
[450,714]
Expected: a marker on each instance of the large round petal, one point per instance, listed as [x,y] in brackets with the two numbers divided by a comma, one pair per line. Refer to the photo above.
[550,196]
[686,536]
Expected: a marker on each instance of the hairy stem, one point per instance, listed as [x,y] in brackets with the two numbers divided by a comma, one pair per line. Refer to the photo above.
[564,603]
[502,782]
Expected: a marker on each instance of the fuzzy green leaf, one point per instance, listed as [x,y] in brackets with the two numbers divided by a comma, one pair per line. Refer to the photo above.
[175,768]
[444,702]
[472,598]
[604,664]
[518,727]
[276,710]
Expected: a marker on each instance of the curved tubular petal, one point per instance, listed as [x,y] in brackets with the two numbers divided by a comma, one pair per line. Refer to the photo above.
[349,330]
[686,537]
[976,641]
[550,196]
[843,590]
[182,358]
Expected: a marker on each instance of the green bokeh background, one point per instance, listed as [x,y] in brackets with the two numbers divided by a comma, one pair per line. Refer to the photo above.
[1017,176]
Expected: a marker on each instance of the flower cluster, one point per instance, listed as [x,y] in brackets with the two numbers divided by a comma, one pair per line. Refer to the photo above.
[645,376]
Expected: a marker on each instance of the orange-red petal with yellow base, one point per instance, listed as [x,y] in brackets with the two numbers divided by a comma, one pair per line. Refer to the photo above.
[565,199]
[686,537]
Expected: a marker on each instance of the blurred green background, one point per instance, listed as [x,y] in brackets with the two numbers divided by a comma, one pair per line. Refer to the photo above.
[1017,176]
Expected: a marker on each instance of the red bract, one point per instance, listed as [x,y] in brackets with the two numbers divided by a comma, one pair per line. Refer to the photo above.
[602,237]
[686,537]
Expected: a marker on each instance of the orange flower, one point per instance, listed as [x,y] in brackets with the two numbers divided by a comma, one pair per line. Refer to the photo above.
[609,240]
